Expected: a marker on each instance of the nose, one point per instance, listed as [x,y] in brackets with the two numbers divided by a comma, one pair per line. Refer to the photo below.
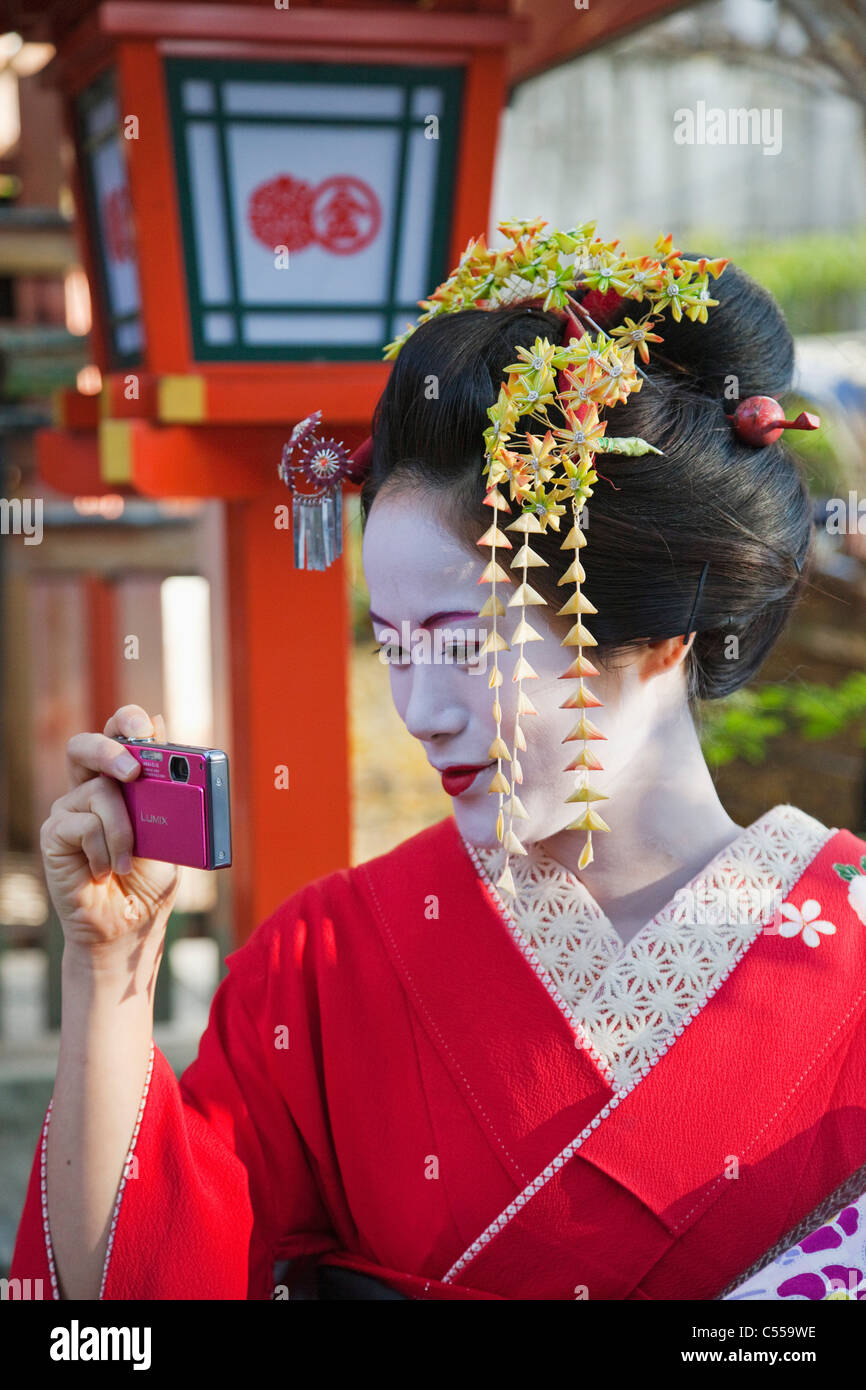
[433,711]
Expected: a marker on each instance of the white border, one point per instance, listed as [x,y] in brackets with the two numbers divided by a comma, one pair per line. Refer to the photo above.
[49,1250]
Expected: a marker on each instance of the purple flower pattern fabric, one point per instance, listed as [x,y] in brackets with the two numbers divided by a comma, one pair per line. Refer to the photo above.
[829,1263]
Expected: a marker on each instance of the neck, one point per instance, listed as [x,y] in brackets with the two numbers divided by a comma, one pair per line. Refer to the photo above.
[666,823]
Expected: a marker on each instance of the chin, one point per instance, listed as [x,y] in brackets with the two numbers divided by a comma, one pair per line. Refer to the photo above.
[477,823]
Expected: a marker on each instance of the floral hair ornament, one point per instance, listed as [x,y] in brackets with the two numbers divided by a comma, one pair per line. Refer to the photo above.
[550,472]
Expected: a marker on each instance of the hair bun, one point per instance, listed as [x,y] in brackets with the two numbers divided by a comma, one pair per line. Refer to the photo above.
[746,348]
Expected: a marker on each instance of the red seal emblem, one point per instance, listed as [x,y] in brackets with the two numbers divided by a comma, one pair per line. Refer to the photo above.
[117,222]
[341,214]
[279,213]
[346,214]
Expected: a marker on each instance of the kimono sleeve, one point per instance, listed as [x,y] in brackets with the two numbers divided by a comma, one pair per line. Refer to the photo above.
[217,1174]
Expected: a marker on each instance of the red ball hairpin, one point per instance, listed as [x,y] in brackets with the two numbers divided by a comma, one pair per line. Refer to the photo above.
[360,460]
[760,420]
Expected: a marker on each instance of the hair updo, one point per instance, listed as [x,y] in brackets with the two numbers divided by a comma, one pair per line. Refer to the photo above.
[652,521]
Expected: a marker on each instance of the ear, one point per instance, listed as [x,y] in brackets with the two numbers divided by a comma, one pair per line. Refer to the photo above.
[662,655]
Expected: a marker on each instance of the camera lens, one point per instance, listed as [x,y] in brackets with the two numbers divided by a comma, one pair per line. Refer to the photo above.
[178,768]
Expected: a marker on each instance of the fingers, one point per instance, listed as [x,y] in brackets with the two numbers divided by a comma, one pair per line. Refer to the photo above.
[130,721]
[87,754]
[100,797]
[78,832]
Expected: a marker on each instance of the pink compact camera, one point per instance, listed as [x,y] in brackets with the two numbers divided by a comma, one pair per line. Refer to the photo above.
[179,804]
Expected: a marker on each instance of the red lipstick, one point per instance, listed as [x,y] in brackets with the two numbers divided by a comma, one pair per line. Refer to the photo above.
[458,778]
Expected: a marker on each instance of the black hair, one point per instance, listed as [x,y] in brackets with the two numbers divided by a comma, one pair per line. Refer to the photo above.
[653,521]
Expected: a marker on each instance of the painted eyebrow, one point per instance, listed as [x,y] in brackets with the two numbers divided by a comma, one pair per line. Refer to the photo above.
[433,618]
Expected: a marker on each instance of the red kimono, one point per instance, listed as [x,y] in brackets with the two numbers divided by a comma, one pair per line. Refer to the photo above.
[390,1081]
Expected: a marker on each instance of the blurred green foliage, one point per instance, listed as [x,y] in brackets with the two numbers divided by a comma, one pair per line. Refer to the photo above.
[742,725]
[817,450]
[818,278]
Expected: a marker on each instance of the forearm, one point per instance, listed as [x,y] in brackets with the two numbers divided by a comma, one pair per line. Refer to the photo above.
[106,1032]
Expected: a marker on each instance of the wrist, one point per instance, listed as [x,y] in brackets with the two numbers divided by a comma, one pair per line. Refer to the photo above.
[127,960]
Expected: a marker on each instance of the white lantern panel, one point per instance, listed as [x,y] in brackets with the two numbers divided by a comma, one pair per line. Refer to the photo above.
[101,117]
[265,329]
[427,101]
[102,156]
[400,322]
[219,328]
[325,194]
[300,98]
[423,162]
[208,213]
[114,214]
[312,210]
[128,338]
[198,96]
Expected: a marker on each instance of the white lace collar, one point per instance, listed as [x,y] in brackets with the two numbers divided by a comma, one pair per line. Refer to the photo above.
[626,1002]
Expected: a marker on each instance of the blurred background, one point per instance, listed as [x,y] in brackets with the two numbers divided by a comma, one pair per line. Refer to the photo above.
[152,361]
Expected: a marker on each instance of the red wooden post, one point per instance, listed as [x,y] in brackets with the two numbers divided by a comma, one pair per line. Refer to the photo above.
[101,649]
[289,634]
[141,93]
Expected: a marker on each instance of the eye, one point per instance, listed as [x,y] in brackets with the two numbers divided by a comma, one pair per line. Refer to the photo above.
[459,653]
[402,659]
[463,653]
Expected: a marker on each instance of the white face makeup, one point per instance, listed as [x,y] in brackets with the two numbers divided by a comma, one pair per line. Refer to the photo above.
[414,568]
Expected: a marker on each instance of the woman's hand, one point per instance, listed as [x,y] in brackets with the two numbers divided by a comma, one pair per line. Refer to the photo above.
[102,895]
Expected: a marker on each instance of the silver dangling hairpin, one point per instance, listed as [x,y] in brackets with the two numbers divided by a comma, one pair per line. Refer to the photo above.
[317,517]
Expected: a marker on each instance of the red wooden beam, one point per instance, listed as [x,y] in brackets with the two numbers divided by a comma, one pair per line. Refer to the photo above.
[560,32]
[200,460]
[347,391]
[131,18]
[313,52]
[73,411]
[539,34]
[68,460]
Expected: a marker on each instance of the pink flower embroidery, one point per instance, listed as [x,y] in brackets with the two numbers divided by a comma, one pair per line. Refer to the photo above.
[805,919]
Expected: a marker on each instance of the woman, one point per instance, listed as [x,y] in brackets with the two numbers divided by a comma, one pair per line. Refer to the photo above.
[636,1079]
